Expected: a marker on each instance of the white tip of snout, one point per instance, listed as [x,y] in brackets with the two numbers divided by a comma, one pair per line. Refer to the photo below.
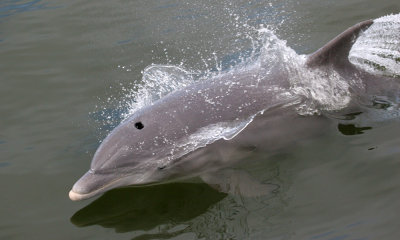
[75,196]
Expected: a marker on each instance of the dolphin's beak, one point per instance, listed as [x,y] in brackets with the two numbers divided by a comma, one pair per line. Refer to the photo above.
[92,184]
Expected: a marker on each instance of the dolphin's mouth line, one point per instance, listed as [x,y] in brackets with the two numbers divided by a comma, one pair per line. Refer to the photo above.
[75,196]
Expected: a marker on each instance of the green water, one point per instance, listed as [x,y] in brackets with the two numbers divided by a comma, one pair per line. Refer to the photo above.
[63,62]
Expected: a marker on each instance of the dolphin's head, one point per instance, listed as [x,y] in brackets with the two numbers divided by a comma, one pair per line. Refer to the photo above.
[137,152]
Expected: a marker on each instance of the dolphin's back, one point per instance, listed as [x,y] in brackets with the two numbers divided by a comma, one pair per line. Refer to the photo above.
[229,97]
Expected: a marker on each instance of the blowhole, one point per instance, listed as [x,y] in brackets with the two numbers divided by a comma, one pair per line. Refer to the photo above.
[139,125]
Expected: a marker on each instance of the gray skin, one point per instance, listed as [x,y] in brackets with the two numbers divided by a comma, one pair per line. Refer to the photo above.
[144,149]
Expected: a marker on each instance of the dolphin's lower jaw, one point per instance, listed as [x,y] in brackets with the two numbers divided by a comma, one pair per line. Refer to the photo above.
[74,196]
[91,184]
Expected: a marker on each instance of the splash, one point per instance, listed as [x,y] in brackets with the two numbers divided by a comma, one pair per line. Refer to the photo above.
[377,50]
[320,90]
[157,81]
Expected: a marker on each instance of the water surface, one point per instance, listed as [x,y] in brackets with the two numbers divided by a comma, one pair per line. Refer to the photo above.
[65,67]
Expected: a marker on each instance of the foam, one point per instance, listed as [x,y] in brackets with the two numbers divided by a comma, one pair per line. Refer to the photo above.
[377,50]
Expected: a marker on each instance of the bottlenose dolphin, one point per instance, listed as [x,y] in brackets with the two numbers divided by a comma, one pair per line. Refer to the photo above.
[212,123]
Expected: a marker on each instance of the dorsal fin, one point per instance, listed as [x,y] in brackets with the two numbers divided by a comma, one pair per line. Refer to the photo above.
[337,50]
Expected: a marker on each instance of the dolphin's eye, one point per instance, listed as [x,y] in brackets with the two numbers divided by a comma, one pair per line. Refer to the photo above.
[139,125]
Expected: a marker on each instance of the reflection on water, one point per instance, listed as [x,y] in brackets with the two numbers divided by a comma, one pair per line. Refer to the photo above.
[131,209]
[351,129]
